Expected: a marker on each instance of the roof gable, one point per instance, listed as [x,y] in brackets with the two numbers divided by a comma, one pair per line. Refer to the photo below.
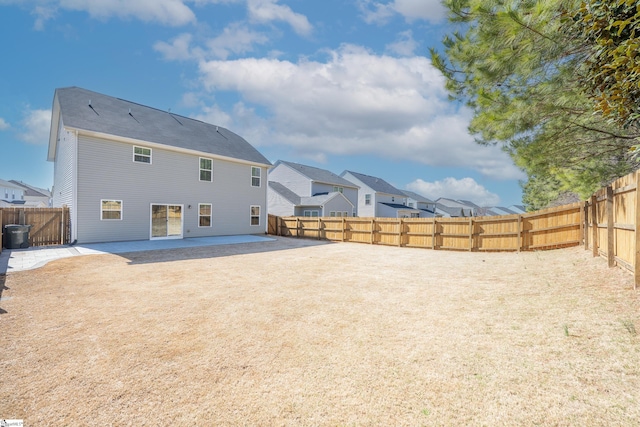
[85,110]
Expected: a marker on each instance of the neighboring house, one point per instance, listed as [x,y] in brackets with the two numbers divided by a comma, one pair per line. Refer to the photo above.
[457,208]
[426,206]
[11,193]
[34,196]
[378,198]
[519,209]
[301,190]
[284,202]
[132,172]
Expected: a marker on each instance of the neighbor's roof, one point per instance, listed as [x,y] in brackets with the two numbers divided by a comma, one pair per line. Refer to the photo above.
[318,200]
[400,207]
[318,175]
[83,109]
[417,197]
[30,190]
[285,192]
[8,184]
[378,185]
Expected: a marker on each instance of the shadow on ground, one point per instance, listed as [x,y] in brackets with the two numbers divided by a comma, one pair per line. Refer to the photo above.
[216,251]
[3,279]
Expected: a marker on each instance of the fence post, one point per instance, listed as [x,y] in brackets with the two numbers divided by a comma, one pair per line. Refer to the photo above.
[519,238]
[344,226]
[297,227]
[433,235]
[610,231]
[585,232]
[399,231]
[594,224]
[319,228]
[470,234]
[636,269]
[372,229]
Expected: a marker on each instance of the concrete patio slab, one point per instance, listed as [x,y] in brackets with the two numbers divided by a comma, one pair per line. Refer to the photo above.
[26,259]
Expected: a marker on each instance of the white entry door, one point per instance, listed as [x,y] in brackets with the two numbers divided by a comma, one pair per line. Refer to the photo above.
[166,221]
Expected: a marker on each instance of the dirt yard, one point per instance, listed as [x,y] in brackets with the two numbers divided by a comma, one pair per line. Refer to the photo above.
[302,333]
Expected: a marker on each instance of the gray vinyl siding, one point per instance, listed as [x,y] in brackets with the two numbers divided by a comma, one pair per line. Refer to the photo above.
[292,179]
[278,205]
[106,170]
[349,193]
[337,204]
[64,175]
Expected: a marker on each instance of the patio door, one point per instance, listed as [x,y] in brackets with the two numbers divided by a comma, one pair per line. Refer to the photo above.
[166,221]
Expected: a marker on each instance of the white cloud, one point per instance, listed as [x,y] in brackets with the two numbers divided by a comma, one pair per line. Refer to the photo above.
[457,189]
[265,11]
[3,124]
[178,50]
[358,103]
[167,12]
[404,46]
[236,39]
[36,125]
[412,10]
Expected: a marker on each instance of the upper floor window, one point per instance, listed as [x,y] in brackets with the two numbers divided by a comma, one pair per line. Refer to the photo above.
[367,199]
[110,209]
[206,169]
[142,154]
[312,213]
[255,176]
[13,194]
[338,189]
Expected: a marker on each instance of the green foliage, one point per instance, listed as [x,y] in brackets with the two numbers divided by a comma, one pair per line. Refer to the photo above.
[514,64]
[611,72]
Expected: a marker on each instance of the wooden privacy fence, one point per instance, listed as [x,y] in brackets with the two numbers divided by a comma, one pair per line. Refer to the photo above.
[612,216]
[545,229]
[49,226]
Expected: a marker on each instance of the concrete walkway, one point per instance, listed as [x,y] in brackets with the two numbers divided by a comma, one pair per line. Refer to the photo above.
[12,260]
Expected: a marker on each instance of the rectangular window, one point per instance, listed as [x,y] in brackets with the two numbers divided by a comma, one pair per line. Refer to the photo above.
[141,154]
[13,194]
[206,169]
[110,209]
[255,176]
[255,215]
[313,214]
[345,214]
[338,189]
[367,199]
[204,215]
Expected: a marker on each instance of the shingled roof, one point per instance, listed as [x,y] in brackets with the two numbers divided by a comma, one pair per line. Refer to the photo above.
[318,175]
[84,110]
[376,184]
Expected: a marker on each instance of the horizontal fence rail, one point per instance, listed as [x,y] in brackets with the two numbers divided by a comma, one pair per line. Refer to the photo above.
[49,226]
[546,229]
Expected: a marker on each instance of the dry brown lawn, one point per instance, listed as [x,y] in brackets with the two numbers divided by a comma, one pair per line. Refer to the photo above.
[299,333]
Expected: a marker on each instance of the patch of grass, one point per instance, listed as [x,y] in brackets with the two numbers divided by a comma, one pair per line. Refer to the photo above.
[565,327]
[630,327]
[426,412]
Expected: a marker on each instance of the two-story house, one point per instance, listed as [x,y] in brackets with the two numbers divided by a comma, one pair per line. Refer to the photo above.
[378,198]
[301,190]
[426,206]
[34,196]
[132,172]
[11,194]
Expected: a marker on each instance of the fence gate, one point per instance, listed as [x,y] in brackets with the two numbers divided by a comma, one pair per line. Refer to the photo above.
[49,226]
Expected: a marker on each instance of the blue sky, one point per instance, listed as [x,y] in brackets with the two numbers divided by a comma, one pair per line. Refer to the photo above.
[336,84]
